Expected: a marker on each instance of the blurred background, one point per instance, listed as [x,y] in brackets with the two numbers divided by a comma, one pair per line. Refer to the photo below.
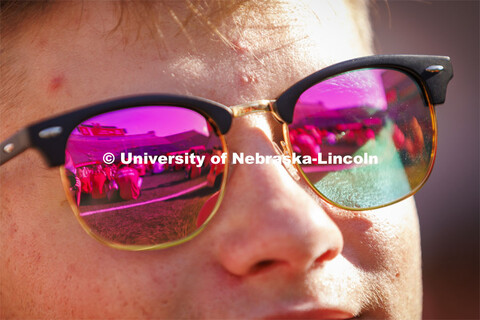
[448,204]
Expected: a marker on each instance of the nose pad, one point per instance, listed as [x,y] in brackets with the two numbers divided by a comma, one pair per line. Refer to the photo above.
[286,160]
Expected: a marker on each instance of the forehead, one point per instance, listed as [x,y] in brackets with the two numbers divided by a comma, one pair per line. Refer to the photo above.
[91,51]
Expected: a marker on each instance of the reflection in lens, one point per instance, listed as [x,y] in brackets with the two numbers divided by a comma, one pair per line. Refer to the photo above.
[155,180]
[364,113]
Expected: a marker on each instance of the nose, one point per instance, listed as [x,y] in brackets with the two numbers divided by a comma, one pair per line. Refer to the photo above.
[270,220]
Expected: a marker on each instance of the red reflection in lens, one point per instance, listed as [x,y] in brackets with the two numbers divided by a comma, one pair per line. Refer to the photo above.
[143,173]
[377,112]
[207,209]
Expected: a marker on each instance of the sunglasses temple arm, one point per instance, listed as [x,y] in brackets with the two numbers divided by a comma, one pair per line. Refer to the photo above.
[14,145]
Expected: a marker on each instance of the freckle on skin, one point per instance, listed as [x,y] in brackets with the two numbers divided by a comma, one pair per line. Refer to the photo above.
[42,44]
[56,83]
[13,229]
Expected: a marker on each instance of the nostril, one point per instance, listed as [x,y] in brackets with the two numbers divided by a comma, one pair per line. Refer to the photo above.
[262,266]
[326,256]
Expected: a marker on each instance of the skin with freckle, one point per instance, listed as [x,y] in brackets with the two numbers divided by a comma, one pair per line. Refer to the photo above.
[56,83]
[274,247]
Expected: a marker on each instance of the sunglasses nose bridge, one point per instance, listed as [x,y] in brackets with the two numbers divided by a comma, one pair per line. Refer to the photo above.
[263,106]
[259,106]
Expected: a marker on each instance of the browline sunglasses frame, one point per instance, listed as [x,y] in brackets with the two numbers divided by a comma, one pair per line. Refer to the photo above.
[50,136]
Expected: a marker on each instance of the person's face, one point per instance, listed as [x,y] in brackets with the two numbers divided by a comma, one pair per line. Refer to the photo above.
[274,249]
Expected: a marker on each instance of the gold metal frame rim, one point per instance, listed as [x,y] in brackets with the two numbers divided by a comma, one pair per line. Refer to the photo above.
[128,247]
[411,193]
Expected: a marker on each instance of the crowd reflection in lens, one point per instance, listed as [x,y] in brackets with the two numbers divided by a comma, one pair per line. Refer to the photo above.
[147,202]
[380,112]
[340,116]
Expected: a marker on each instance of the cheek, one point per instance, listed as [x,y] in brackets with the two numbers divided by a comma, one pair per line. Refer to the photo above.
[385,245]
[381,239]
[37,228]
[30,192]
[51,268]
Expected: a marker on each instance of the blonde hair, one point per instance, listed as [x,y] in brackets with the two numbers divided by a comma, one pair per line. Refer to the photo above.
[208,13]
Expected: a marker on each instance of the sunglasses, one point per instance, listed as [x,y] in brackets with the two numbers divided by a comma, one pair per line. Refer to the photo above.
[150,171]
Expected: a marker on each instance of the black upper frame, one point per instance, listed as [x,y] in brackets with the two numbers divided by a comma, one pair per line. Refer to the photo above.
[432,72]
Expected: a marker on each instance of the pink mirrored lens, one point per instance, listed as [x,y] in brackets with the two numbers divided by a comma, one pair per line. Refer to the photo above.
[141,176]
[370,135]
